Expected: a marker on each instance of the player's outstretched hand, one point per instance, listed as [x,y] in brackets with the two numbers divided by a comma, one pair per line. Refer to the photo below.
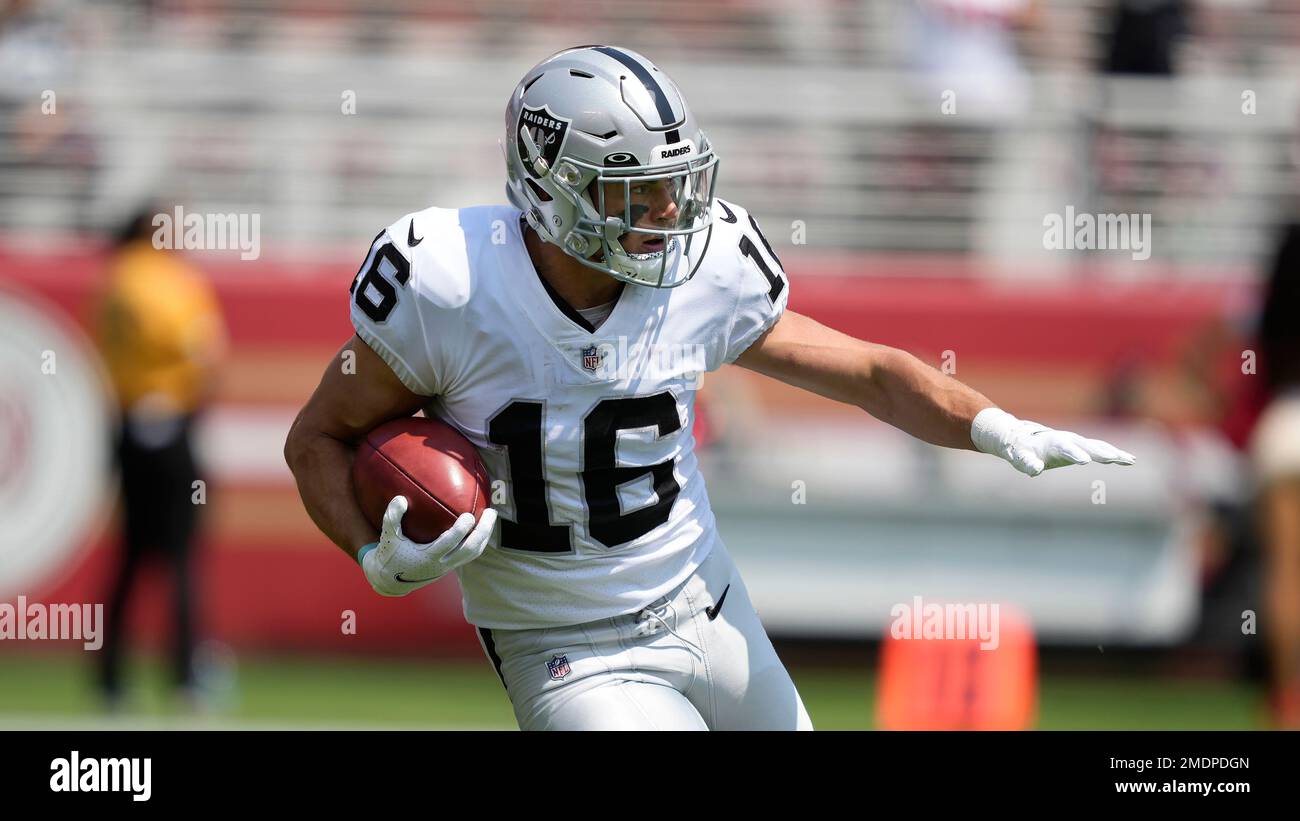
[395,565]
[1032,448]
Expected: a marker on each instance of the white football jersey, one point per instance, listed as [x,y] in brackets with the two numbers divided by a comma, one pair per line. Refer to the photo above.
[586,432]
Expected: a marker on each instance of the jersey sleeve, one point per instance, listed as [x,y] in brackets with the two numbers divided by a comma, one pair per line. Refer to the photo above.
[762,289]
[392,312]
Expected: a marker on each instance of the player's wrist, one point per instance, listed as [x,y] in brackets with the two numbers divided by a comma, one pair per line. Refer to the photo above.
[991,431]
[378,579]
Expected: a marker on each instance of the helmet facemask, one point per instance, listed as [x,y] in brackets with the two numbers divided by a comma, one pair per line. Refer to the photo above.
[670,204]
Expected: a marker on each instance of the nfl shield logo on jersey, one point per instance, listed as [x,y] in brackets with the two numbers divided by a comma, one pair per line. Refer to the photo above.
[591,358]
[558,667]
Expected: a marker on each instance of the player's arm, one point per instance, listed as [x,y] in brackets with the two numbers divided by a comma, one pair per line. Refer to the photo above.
[347,404]
[896,387]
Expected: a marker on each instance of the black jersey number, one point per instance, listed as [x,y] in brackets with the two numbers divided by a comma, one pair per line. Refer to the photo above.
[776,282]
[385,260]
[518,428]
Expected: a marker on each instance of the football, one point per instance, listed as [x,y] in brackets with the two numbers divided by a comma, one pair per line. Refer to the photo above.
[427,461]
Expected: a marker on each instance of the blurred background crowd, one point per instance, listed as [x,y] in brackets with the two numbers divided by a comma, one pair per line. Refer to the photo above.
[902,156]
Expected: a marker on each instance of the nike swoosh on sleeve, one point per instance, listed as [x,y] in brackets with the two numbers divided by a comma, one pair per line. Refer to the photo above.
[712,612]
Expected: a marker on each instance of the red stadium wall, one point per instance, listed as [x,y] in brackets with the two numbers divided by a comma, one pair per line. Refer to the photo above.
[269,580]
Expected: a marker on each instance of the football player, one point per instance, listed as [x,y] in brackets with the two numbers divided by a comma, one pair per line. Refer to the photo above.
[564,335]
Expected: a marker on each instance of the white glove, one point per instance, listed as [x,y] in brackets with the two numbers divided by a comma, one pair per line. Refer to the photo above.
[1032,448]
[395,565]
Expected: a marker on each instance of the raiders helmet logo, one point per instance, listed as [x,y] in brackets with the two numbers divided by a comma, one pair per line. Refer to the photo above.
[547,131]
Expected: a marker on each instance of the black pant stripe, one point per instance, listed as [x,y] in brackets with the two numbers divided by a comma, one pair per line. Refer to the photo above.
[491,646]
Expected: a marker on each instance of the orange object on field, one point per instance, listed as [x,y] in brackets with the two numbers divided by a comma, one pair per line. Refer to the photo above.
[958,684]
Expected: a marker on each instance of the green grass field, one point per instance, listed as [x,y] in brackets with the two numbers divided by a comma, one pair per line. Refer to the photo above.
[50,690]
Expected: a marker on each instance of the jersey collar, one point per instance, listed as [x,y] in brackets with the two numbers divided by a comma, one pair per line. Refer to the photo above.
[556,317]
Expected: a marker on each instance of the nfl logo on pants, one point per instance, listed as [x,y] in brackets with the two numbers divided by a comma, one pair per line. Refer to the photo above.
[558,667]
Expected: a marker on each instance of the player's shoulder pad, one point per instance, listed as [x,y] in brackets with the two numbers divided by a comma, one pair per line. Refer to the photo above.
[727,213]
[727,221]
[439,244]
[738,251]
[743,273]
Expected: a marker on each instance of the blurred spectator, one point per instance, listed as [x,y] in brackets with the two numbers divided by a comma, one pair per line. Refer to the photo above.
[970,46]
[1142,36]
[1275,451]
[161,334]
[47,143]
[963,59]
[34,44]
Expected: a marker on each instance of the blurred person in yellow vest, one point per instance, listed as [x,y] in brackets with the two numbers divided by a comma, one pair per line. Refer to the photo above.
[161,334]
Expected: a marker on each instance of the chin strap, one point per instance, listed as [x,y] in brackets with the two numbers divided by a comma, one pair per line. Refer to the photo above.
[534,153]
[613,229]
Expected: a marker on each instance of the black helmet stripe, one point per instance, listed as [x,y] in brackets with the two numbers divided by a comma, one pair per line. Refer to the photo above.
[662,104]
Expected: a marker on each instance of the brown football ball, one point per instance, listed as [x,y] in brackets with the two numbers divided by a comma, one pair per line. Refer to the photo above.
[427,461]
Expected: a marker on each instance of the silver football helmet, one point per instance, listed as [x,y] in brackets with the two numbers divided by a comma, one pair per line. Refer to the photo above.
[597,127]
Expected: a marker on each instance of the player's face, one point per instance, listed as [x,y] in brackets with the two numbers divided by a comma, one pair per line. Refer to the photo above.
[654,205]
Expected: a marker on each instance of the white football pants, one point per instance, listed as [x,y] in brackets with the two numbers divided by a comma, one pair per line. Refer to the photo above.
[696,659]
